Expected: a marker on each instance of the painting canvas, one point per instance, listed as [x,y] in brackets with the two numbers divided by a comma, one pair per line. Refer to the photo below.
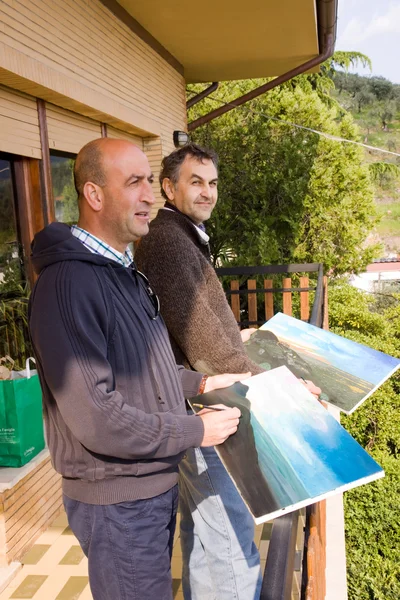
[346,372]
[288,451]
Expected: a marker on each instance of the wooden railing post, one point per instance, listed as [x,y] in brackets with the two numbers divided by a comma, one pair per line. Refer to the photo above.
[304,300]
[268,299]
[235,300]
[316,552]
[252,301]
[287,296]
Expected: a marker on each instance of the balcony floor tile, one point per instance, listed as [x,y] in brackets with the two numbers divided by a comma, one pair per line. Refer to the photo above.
[56,569]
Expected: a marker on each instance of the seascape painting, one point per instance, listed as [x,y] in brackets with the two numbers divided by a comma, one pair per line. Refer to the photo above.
[347,372]
[288,451]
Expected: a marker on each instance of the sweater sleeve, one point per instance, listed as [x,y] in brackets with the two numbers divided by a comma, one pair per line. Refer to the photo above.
[69,329]
[175,272]
[190,381]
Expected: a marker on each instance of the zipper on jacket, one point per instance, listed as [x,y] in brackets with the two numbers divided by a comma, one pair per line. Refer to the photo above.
[153,369]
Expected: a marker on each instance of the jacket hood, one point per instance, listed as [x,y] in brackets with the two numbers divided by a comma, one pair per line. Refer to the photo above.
[55,243]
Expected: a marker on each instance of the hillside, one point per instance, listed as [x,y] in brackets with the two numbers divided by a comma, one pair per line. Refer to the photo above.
[375,105]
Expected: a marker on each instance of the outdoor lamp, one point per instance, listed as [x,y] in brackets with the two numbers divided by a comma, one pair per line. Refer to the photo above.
[181,138]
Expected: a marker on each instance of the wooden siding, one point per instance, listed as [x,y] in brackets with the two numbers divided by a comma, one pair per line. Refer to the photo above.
[153,149]
[19,124]
[27,509]
[69,131]
[78,55]
[124,135]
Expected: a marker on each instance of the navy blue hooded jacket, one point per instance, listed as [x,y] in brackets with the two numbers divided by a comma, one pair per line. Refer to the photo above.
[113,396]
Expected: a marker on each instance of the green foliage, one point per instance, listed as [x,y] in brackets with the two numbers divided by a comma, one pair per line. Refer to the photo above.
[66,202]
[70,204]
[14,337]
[288,195]
[385,112]
[382,89]
[364,98]
[61,172]
[372,516]
[12,279]
[375,105]
[14,334]
[346,60]
[381,171]
[373,535]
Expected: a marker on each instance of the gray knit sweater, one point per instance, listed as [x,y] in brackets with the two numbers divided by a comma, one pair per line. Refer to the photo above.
[202,327]
[113,396]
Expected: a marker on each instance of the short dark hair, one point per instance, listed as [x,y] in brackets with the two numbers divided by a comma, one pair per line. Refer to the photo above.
[171,164]
[89,166]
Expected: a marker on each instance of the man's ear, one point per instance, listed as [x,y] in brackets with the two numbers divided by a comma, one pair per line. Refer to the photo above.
[168,188]
[93,195]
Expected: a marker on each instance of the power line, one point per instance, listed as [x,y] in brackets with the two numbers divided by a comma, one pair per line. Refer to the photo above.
[328,136]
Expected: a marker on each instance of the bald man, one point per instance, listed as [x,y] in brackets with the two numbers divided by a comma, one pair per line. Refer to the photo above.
[113,396]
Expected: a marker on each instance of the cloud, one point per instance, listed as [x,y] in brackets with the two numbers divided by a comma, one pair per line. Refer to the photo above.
[358,30]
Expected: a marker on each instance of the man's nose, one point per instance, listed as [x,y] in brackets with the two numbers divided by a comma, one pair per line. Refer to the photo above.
[206,191]
[148,194]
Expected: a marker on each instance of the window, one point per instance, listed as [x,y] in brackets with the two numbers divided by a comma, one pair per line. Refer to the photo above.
[65,197]
[11,271]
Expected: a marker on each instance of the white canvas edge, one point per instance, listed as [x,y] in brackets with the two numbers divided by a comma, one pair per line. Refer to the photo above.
[303,503]
[378,385]
[292,507]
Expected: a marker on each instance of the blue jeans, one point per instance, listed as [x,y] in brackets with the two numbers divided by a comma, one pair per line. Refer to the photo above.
[129,546]
[220,559]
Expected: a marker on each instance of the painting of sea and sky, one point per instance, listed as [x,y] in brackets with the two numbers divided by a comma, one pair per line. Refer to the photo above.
[288,451]
[347,372]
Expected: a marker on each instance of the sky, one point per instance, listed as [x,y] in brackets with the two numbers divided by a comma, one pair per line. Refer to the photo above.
[373,28]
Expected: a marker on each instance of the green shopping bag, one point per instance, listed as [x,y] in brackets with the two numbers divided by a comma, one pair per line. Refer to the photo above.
[21,420]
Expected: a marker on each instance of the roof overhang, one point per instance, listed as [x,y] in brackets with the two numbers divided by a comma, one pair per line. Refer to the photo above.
[221,40]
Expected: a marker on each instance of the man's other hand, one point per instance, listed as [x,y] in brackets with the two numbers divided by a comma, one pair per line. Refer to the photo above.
[217,382]
[315,391]
[218,425]
[245,334]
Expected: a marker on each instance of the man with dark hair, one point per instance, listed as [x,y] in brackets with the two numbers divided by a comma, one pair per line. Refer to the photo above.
[113,395]
[220,559]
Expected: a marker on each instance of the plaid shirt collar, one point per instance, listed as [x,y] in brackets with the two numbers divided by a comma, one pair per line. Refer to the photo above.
[97,246]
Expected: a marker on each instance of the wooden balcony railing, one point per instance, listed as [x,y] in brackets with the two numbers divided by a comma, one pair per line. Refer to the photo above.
[295,569]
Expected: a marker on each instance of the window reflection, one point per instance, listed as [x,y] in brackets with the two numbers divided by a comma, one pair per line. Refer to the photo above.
[10,263]
[65,197]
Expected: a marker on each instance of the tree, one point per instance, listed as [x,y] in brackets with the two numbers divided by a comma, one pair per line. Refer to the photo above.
[286,194]
[363,98]
[351,83]
[386,112]
[382,88]
[384,173]
[368,121]
[344,60]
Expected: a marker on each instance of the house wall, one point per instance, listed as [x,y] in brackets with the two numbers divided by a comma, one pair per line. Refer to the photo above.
[30,499]
[78,57]
[19,125]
